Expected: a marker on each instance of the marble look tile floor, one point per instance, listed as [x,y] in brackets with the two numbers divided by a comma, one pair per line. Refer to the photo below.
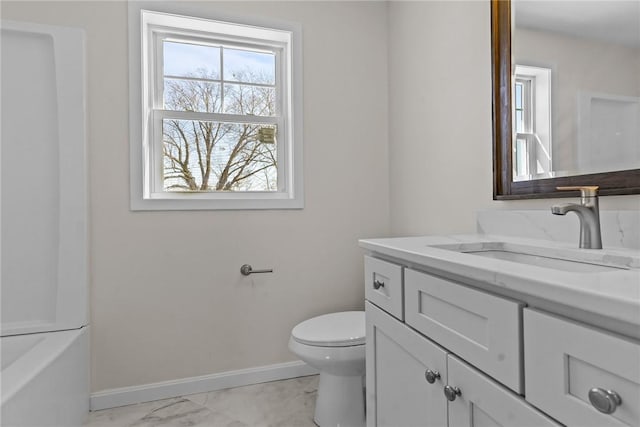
[287,403]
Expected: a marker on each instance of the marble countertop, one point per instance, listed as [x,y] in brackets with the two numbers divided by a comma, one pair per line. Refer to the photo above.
[614,293]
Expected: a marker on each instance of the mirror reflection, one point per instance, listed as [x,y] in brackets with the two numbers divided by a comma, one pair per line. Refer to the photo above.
[576,87]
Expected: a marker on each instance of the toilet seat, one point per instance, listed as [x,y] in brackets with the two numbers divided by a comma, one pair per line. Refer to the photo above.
[332,330]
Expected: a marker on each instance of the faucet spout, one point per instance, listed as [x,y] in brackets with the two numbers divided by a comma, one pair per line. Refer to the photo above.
[562,209]
[589,216]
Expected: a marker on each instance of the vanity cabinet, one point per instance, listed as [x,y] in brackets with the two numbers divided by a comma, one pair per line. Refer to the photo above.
[484,402]
[458,339]
[398,363]
[475,325]
[384,285]
[407,373]
[566,361]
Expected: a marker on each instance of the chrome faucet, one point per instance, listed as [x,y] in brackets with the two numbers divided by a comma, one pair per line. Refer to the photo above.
[588,213]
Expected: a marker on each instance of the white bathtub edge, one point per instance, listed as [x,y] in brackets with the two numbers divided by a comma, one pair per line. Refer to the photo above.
[175,388]
[27,367]
[55,373]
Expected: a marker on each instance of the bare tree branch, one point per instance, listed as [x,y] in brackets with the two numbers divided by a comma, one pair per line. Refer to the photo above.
[227,156]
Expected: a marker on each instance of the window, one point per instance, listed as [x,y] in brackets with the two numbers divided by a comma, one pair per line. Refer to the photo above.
[532,123]
[525,137]
[219,122]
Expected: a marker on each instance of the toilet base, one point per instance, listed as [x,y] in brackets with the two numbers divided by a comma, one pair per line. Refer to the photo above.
[340,401]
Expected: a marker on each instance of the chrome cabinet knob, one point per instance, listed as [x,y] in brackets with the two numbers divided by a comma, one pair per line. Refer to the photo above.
[451,392]
[605,401]
[431,376]
[377,284]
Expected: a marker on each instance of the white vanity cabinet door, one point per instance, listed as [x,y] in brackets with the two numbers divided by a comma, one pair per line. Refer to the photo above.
[482,328]
[485,403]
[564,360]
[398,394]
[383,285]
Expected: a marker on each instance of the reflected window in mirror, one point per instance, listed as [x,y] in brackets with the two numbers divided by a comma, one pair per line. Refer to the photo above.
[532,123]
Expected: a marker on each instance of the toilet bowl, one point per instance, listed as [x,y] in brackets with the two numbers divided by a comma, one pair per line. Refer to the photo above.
[334,344]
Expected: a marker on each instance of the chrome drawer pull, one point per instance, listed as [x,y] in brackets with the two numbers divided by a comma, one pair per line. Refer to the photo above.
[451,392]
[377,284]
[605,401]
[431,376]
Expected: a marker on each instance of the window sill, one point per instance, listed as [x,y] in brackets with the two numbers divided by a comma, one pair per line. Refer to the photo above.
[188,203]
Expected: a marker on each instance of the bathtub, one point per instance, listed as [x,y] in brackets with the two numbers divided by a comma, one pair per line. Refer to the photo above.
[45,379]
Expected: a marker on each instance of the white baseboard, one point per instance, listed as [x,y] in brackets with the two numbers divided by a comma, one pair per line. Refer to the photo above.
[167,389]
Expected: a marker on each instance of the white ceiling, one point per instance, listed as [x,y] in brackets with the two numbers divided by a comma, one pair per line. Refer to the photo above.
[614,21]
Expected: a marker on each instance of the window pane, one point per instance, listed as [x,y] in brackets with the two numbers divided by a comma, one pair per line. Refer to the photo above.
[191,60]
[252,100]
[204,156]
[519,121]
[249,67]
[519,95]
[520,158]
[192,95]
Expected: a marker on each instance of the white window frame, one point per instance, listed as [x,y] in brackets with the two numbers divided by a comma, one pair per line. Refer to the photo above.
[536,100]
[527,135]
[146,29]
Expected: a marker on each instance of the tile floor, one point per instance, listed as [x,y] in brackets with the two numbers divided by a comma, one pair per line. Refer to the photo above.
[287,403]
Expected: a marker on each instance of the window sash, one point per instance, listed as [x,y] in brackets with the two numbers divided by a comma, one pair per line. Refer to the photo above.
[529,155]
[157,113]
[527,103]
[156,149]
[158,76]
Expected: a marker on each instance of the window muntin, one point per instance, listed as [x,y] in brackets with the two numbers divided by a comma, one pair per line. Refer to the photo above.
[204,78]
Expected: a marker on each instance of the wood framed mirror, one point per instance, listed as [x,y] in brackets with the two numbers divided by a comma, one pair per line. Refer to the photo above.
[612,182]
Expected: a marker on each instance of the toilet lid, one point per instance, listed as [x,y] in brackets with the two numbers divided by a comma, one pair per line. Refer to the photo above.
[332,330]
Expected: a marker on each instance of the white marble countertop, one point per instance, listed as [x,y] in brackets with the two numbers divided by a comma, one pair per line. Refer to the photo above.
[613,294]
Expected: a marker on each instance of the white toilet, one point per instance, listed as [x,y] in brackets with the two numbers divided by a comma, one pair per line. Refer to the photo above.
[334,344]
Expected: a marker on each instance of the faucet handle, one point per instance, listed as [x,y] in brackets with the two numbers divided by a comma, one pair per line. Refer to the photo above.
[585,190]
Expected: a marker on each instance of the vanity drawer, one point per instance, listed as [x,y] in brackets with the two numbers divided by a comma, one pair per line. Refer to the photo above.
[564,360]
[483,329]
[383,285]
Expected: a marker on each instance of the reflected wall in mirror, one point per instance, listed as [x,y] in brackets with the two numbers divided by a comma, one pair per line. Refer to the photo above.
[566,78]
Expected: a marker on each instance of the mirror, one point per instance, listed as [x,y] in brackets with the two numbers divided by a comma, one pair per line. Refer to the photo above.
[561,115]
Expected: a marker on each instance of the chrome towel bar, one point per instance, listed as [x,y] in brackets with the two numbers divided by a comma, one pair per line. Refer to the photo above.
[246,270]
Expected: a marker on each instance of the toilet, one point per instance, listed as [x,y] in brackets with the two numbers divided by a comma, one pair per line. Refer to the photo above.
[334,344]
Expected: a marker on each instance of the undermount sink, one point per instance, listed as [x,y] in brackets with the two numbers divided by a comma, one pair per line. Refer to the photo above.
[553,258]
